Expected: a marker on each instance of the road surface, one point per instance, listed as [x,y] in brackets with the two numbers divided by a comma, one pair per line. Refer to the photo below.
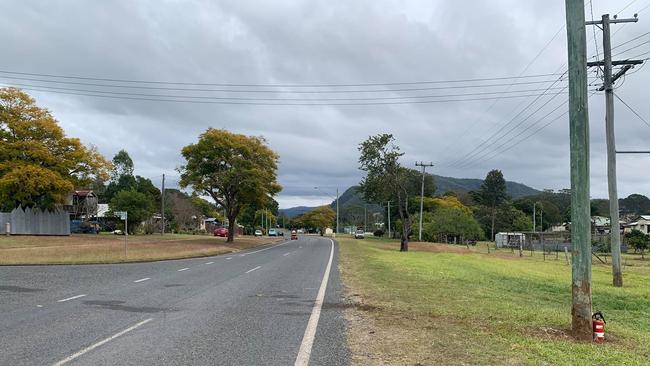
[256,307]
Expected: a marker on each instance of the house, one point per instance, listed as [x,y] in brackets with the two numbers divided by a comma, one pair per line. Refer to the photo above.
[560,228]
[600,224]
[642,223]
[82,204]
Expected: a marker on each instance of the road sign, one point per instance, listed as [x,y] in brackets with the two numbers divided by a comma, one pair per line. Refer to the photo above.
[122,214]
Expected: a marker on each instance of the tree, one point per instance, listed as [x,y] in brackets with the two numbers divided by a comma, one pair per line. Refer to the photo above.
[122,165]
[450,222]
[39,165]
[138,205]
[492,194]
[638,240]
[235,170]
[318,218]
[635,204]
[385,178]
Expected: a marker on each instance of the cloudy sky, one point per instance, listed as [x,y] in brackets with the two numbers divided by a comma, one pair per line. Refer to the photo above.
[516,125]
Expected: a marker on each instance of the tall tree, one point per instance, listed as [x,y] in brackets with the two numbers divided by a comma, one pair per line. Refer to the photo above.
[235,170]
[492,194]
[138,205]
[39,165]
[122,165]
[385,178]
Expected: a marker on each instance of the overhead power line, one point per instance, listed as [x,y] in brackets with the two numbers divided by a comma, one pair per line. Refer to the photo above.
[134,81]
[280,104]
[278,91]
[525,91]
[632,109]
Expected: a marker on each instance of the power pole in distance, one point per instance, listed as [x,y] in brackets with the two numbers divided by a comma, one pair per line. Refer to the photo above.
[608,82]
[162,207]
[389,220]
[424,167]
[579,148]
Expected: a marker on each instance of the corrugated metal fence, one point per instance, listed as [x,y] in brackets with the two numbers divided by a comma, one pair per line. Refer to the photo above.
[36,222]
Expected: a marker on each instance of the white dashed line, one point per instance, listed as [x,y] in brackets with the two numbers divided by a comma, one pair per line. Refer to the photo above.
[286,254]
[261,250]
[183,269]
[209,262]
[142,280]
[229,258]
[71,298]
[90,348]
[39,306]
[254,269]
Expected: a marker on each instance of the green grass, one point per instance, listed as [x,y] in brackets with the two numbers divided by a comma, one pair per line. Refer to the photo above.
[475,308]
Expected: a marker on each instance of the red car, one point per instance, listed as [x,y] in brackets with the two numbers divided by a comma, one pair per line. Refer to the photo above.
[222,231]
[294,235]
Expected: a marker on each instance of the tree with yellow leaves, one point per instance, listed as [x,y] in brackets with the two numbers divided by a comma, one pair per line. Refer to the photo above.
[39,165]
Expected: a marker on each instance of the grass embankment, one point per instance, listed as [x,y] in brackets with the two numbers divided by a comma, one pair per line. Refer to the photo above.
[444,304]
[103,248]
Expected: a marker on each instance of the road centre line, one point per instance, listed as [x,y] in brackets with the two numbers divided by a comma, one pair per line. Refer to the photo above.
[286,254]
[71,298]
[92,347]
[254,269]
[209,262]
[229,258]
[310,332]
[183,269]
[142,280]
[261,250]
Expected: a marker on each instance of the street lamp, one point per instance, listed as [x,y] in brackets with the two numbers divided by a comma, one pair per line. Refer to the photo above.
[337,206]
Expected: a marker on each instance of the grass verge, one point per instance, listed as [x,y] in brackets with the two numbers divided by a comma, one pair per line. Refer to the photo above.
[443,304]
[85,249]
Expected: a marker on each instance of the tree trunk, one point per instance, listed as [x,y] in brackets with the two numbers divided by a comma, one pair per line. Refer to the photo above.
[231,230]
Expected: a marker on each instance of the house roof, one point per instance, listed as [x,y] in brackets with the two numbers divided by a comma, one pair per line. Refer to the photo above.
[84,193]
[645,217]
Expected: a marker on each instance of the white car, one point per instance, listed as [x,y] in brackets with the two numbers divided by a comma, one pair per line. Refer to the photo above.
[258,232]
[359,234]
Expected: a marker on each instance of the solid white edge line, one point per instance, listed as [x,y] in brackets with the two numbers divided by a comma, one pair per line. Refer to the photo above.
[308,339]
[92,347]
[142,280]
[71,298]
[183,269]
[254,269]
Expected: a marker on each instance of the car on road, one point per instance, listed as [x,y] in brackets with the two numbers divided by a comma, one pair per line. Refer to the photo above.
[294,235]
[359,234]
[258,232]
[301,231]
[273,232]
[222,232]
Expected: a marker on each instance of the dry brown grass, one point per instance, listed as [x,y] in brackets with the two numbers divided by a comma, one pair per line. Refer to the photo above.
[80,249]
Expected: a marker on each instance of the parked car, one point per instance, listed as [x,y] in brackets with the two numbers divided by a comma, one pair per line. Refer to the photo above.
[222,232]
[273,232]
[359,234]
[258,232]
[301,231]
[294,235]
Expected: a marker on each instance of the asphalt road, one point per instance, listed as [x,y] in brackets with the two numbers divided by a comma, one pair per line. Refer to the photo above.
[249,308]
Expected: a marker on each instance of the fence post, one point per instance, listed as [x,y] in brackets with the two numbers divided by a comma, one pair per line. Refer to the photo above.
[566,255]
[544,251]
[8,229]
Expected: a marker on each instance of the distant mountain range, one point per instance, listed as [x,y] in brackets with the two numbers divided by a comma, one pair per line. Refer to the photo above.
[352,198]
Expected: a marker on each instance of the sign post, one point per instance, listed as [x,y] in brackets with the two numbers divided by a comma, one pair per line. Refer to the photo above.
[123,216]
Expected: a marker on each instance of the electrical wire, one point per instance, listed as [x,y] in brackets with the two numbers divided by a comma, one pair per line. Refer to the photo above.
[257,91]
[631,40]
[282,99]
[76,77]
[632,109]
[282,104]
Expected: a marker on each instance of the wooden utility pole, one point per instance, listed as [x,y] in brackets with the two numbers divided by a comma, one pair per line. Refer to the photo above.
[162,207]
[608,87]
[424,167]
[579,147]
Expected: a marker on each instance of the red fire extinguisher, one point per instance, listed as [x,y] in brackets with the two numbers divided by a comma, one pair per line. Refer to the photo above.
[599,327]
